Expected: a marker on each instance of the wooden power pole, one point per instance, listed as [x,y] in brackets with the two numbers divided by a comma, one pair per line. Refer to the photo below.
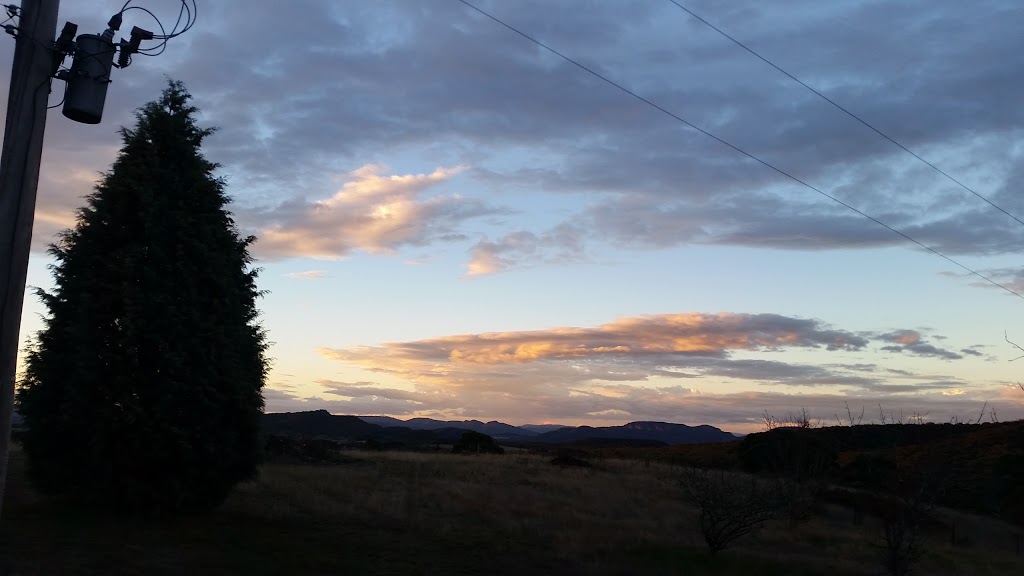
[19,176]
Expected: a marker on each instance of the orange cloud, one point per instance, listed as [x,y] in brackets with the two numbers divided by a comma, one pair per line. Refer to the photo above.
[690,333]
[307,275]
[563,243]
[630,369]
[372,211]
[905,337]
[615,404]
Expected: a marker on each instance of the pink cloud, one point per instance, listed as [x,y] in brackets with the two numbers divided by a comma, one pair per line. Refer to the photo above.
[372,211]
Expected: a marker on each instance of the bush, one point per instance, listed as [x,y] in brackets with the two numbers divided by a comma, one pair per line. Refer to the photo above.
[476,443]
[731,506]
[570,461]
[793,453]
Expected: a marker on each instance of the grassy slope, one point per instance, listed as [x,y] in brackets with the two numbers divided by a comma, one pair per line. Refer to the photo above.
[442,514]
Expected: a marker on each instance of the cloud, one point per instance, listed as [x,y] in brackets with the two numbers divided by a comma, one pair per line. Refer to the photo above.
[405,82]
[362,397]
[307,275]
[561,244]
[632,350]
[659,187]
[629,369]
[434,399]
[660,336]
[911,341]
[372,211]
[618,403]
[1012,278]
[775,372]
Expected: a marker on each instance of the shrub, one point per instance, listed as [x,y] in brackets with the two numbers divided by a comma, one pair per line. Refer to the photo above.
[731,505]
[476,443]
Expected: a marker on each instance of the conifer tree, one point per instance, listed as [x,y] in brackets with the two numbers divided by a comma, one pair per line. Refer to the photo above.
[143,391]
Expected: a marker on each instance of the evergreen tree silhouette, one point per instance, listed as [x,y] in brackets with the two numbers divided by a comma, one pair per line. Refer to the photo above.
[143,391]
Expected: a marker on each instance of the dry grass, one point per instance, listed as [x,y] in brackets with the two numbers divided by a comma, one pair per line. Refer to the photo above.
[404,513]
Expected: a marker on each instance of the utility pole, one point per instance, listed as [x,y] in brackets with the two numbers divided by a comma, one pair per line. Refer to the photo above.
[19,176]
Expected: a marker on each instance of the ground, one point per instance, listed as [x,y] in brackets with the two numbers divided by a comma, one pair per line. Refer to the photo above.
[436,513]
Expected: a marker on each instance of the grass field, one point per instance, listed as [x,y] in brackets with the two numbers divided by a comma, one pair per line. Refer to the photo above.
[414,513]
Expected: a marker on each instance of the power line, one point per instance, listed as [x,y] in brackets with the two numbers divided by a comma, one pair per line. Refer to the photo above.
[844,110]
[734,147]
[185,11]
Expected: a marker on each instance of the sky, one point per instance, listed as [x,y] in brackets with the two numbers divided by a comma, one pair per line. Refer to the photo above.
[456,223]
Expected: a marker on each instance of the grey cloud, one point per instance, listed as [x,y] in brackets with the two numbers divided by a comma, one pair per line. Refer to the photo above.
[912,341]
[647,338]
[622,368]
[775,372]
[419,398]
[278,401]
[361,83]
[363,384]
[640,349]
[663,373]
[560,244]
[618,403]
[371,211]
[930,350]
[663,200]
[1012,278]
[885,389]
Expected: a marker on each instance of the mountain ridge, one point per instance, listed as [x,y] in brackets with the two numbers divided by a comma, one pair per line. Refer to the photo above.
[491,428]
[667,432]
[323,424]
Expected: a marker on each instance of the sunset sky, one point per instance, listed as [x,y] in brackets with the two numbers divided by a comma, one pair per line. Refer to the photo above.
[456,223]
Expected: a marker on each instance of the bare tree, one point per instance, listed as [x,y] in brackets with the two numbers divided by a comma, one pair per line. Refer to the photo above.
[731,506]
[849,415]
[1015,345]
[892,418]
[1020,349]
[902,540]
[800,419]
[982,413]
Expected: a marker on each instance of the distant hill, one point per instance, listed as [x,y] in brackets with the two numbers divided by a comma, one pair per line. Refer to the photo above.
[657,431]
[317,424]
[492,428]
[646,433]
[542,428]
[321,424]
[384,421]
[422,431]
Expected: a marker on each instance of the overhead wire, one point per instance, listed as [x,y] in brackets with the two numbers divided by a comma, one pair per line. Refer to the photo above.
[189,11]
[163,34]
[846,111]
[736,148]
[12,13]
[64,95]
